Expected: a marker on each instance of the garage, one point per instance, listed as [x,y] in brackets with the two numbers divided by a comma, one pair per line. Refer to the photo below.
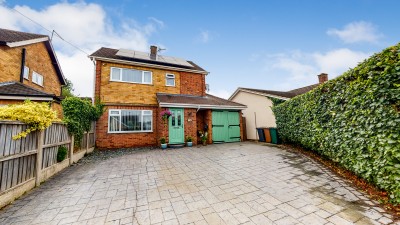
[225,126]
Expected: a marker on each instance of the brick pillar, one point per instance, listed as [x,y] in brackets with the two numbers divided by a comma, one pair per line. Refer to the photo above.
[241,125]
[208,121]
[191,124]
[162,126]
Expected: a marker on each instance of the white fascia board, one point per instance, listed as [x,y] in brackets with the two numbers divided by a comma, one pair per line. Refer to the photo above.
[10,97]
[234,94]
[27,42]
[195,106]
[258,93]
[148,65]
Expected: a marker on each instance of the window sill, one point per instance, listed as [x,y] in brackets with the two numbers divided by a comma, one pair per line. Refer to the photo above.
[37,84]
[129,132]
[118,81]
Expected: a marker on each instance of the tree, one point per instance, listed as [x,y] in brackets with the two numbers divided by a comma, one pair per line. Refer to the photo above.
[68,89]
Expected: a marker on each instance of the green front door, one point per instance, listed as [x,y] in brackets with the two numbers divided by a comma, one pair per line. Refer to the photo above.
[176,128]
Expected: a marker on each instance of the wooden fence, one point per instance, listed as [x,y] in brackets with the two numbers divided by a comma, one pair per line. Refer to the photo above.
[34,158]
[89,139]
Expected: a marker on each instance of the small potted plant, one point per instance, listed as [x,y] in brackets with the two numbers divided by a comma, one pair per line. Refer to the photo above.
[203,137]
[163,144]
[189,142]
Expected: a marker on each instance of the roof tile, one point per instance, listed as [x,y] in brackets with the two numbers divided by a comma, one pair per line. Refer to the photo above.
[7,36]
[19,89]
[209,100]
[111,53]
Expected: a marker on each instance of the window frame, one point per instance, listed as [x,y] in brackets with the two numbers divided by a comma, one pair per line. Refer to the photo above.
[26,72]
[120,76]
[118,112]
[34,73]
[168,76]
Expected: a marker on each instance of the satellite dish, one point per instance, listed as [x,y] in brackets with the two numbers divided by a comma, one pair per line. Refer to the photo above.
[207,88]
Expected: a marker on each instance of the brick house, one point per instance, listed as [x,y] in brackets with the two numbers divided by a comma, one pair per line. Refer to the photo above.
[258,112]
[29,69]
[136,87]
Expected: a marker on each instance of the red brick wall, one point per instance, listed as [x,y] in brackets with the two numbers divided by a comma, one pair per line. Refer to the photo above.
[105,140]
[125,140]
[193,84]
[191,124]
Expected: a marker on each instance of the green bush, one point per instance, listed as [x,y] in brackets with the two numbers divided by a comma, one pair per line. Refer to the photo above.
[354,120]
[78,115]
[62,153]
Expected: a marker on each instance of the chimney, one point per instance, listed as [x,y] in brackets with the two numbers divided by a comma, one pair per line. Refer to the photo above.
[153,52]
[322,78]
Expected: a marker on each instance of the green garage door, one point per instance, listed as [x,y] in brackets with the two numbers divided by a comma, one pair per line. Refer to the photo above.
[225,126]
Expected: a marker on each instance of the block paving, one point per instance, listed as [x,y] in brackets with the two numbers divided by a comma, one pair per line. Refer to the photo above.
[235,183]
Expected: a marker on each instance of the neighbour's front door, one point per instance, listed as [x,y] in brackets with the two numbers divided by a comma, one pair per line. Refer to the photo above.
[176,128]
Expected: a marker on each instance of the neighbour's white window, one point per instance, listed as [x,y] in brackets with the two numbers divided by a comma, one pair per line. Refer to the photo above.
[123,121]
[26,72]
[130,75]
[37,78]
[170,80]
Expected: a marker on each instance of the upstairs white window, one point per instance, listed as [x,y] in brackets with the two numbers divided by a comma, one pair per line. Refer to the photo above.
[131,75]
[124,121]
[26,72]
[37,78]
[170,80]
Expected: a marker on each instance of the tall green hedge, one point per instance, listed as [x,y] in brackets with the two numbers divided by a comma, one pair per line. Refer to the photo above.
[354,120]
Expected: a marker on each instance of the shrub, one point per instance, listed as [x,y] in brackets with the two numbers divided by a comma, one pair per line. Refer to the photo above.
[78,115]
[62,153]
[354,120]
[162,140]
[189,139]
[38,116]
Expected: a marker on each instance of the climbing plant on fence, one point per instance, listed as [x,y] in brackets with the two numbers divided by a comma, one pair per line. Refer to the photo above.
[354,120]
[78,115]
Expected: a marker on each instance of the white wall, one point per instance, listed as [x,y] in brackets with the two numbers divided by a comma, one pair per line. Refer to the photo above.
[258,112]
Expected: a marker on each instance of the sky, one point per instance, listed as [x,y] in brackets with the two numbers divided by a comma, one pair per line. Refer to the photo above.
[266,44]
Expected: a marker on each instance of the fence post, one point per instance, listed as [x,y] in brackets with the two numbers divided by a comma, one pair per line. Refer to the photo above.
[39,156]
[71,150]
[87,141]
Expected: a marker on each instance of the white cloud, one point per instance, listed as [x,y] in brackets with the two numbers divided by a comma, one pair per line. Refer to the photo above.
[88,27]
[204,36]
[360,31]
[339,60]
[301,68]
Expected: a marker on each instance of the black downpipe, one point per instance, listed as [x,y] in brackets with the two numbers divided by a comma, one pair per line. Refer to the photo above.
[21,78]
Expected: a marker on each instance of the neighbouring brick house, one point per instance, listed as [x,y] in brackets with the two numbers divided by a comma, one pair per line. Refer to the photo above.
[29,69]
[136,87]
[258,112]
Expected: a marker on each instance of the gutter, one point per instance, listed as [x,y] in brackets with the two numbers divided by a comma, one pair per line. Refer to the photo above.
[194,106]
[10,97]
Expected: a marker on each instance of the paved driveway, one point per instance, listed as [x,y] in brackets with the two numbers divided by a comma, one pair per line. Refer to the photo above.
[238,183]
